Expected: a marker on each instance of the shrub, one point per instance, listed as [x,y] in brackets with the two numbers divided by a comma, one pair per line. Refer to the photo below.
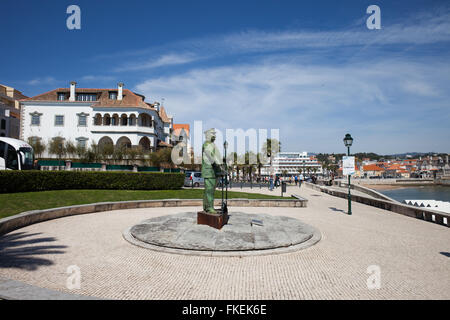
[23,181]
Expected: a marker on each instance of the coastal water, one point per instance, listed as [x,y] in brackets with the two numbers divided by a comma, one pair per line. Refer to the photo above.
[441,193]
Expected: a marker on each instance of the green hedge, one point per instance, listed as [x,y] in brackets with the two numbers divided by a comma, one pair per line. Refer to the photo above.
[23,181]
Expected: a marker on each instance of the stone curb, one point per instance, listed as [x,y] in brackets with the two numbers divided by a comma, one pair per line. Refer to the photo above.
[27,218]
[316,237]
[16,290]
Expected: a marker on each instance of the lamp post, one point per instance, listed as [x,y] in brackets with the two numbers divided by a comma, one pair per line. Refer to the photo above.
[225,180]
[348,140]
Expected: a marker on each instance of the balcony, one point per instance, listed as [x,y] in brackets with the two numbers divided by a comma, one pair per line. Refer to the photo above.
[124,129]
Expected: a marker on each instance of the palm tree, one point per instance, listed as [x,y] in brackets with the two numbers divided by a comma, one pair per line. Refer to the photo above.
[270,148]
[259,160]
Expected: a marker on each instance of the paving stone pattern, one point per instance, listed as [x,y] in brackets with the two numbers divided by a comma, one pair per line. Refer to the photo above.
[413,257]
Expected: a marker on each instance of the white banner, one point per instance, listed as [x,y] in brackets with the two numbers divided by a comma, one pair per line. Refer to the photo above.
[348,165]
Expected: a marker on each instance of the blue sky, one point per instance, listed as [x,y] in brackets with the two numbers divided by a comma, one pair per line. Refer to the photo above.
[310,68]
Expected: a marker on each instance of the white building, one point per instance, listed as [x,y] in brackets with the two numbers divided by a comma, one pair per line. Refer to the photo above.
[102,116]
[291,162]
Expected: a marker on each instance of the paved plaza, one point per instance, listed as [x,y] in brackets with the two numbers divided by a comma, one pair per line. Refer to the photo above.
[413,257]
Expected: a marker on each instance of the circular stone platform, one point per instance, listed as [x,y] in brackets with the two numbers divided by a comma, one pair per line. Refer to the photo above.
[180,233]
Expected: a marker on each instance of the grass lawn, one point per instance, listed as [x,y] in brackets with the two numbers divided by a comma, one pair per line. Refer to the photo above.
[13,203]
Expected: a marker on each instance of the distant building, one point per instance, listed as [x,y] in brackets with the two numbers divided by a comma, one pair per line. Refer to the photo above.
[115,116]
[371,170]
[10,111]
[291,163]
[181,134]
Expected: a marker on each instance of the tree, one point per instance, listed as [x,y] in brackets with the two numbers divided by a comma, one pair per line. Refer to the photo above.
[71,149]
[162,158]
[81,152]
[106,151]
[260,163]
[270,148]
[38,146]
[57,147]
[119,153]
[93,153]
[132,153]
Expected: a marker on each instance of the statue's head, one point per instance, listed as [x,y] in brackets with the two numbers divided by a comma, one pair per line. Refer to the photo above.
[210,135]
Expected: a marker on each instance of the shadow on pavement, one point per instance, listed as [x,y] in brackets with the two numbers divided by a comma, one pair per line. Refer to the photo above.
[18,251]
[337,210]
[447,254]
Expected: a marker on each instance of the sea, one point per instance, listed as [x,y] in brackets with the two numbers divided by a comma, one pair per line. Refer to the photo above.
[441,193]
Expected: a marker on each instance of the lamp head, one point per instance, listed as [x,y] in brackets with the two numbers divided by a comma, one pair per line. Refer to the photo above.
[348,140]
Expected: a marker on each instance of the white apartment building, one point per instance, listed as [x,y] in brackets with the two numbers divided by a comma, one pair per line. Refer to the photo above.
[291,162]
[102,116]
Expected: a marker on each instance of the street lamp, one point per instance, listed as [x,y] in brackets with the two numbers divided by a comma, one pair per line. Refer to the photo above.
[225,180]
[348,140]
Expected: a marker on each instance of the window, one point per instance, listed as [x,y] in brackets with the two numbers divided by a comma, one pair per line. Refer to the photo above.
[82,120]
[82,142]
[59,120]
[61,96]
[3,125]
[86,97]
[113,95]
[11,159]
[36,119]
[35,140]
[2,149]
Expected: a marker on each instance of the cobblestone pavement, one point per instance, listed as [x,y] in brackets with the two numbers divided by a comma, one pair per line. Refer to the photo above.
[413,257]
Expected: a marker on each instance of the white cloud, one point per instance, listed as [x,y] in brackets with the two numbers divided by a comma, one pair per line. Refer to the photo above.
[421,29]
[314,105]
[97,78]
[42,81]
[164,60]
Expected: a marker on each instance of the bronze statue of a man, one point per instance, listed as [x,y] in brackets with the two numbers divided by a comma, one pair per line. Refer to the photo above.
[211,169]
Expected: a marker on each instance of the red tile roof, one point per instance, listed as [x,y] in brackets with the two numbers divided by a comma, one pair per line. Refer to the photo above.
[130,99]
[372,167]
[163,115]
[177,127]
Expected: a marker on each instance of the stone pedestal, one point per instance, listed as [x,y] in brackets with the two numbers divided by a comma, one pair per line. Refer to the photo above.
[215,220]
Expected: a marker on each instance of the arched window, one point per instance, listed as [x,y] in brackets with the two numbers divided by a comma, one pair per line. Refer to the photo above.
[98,119]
